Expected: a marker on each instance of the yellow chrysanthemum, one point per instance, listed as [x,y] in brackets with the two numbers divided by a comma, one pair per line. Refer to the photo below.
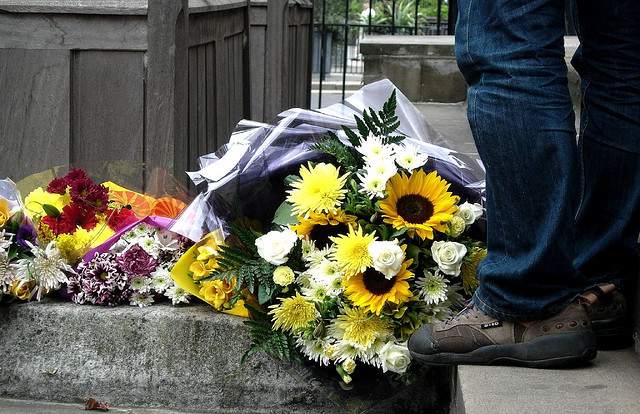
[352,251]
[420,202]
[320,190]
[372,290]
[359,328]
[73,246]
[34,201]
[469,268]
[293,313]
[320,227]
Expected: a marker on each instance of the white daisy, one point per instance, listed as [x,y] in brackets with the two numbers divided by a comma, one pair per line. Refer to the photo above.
[433,288]
[314,349]
[161,279]
[384,169]
[177,294]
[141,299]
[373,149]
[308,247]
[408,157]
[316,291]
[143,229]
[373,185]
[140,284]
[150,245]
[317,256]
[324,270]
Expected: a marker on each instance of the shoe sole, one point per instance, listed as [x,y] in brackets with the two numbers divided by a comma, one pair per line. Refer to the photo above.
[612,333]
[543,352]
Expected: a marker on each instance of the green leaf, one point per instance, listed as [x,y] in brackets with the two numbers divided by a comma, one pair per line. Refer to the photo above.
[354,139]
[264,295]
[290,179]
[284,216]
[399,233]
[51,211]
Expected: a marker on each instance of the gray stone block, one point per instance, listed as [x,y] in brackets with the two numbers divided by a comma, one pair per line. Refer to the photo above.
[184,358]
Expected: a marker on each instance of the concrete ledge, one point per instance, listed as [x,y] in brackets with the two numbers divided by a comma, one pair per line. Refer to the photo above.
[184,358]
[609,384]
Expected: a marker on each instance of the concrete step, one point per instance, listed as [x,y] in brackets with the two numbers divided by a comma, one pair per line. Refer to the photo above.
[11,406]
[609,384]
[184,358]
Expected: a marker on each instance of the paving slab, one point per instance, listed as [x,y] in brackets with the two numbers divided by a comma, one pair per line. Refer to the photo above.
[609,384]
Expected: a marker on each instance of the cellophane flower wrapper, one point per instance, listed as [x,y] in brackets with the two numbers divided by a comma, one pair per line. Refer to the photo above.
[77,207]
[244,179]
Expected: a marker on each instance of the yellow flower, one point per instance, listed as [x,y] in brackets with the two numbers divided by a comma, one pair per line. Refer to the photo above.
[372,290]
[352,251]
[200,269]
[208,249]
[320,227]
[4,212]
[293,313]
[73,246]
[420,202]
[359,328]
[34,201]
[469,268]
[217,292]
[21,289]
[319,190]
[283,275]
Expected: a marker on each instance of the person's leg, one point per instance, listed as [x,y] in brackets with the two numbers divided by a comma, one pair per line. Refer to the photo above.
[511,53]
[608,61]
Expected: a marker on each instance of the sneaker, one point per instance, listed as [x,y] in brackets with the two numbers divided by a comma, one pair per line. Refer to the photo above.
[473,337]
[609,319]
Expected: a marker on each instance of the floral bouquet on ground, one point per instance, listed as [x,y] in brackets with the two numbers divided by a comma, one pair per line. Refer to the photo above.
[72,216]
[367,245]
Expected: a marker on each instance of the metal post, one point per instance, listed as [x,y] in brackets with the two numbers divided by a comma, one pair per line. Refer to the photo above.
[439,16]
[393,17]
[323,51]
[370,8]
[346,47]
[416,18]
[453,16]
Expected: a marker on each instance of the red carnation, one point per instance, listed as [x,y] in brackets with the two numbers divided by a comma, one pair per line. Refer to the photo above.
[57,186]
[75,215]
[119,219]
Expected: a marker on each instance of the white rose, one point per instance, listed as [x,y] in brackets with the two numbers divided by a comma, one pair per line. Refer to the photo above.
[275,246]
[448,256]
[469,212]
[387,257]
[394,357]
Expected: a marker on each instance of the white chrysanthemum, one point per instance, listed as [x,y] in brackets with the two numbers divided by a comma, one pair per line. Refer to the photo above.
[433,288]
[7,271]
[385,169]
[314,349]
[308,247]
[317,256]
[304,279]
[408,157]
[166,239]
[5,239]
[120,246]
[143,229]
[373,185]
[316,291]
[129,235]
[334,286]
[140,284]
[373,149]
[325,269]
[141,299]
[150,245]
[177,295]
[348,350]
[46,268]
[161,279]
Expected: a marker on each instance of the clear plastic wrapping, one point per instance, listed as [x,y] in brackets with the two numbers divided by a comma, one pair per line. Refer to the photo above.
[244,179]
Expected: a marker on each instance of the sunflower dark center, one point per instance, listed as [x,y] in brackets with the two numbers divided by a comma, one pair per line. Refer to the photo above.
[376,283]
[414,208]
[320,233]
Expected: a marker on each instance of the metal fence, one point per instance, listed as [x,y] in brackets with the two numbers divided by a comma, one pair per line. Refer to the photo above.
[337,37]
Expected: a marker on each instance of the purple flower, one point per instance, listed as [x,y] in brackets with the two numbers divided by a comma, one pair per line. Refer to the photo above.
[99,281]
[137,262]
[25,234]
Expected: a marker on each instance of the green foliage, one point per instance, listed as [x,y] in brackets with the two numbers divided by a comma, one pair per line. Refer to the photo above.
[277,344]
[342,154]
[283,216]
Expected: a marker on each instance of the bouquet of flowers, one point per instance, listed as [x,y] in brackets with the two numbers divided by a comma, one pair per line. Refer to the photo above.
[72,217]
[369,243]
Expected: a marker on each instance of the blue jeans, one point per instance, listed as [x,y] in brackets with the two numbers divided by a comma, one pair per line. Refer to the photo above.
[562,215]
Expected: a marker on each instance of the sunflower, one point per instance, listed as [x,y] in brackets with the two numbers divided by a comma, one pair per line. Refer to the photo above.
[352,251]
[372,290]
[293,313]
[359,328]
[320,227]
[420,202]
[320,190]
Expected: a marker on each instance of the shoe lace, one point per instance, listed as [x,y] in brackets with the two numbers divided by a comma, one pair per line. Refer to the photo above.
[470,310]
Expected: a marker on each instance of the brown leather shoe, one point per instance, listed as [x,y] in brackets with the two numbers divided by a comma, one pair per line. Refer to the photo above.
[473,337]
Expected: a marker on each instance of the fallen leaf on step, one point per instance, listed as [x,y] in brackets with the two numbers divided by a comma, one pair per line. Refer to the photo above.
[93,404]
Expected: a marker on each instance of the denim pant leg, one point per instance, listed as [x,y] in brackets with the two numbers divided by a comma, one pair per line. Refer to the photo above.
[608,61]
[511,54]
